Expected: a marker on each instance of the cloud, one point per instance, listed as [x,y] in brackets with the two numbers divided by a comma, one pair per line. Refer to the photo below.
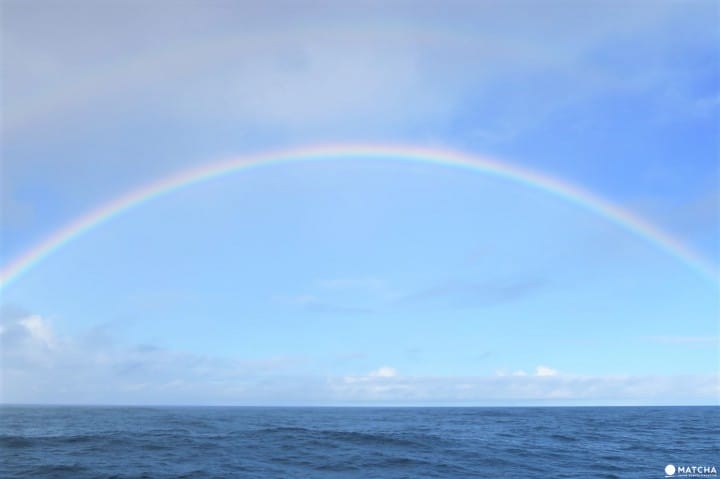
[375,69]
[17,212]
[368,284]
[461,293]
[540,371]
[688,340]
[381,373]
[40,366]
[312,304]
[705,106]
[384,372]
[537,389]
[544,371]
[334,296]
[38,330]
[344,295]
[240,78]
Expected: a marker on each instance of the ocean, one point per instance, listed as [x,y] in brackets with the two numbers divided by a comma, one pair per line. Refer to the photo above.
[257,442]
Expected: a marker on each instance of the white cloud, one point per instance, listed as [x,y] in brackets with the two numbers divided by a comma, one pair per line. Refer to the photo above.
[544,371]
[376,67]
[38,365]
[381,373]
[39,330]
[84,370]
[467,75]
[531,389]
[384,372]
[540,371]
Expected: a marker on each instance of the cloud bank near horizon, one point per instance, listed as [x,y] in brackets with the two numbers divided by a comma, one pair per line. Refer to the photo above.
[39,366]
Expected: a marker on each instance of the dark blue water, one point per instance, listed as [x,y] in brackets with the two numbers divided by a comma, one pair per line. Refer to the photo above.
[198,442]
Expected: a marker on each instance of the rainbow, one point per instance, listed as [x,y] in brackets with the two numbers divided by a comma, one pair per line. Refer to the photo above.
[443,157]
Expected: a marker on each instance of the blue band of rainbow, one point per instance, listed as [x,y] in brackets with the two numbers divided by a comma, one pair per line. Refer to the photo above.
[573,194]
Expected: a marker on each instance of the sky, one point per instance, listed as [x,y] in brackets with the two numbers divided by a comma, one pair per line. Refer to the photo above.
[361,281]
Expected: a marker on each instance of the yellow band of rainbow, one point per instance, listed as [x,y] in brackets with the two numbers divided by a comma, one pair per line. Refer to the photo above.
[444,157]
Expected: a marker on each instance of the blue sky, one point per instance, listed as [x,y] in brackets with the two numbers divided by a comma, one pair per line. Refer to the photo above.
[368,281]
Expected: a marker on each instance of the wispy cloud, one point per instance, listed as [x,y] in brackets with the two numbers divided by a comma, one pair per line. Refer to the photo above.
[540,371]
[343,295]
[380,374]
[687,340]
[463,293]
[384,372]
[367,284]
[313,304]
[38,365]
[379,69]
[544,371]
[374,294]
[539,388]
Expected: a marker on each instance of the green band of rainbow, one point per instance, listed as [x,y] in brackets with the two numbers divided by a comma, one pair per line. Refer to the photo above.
[533,179]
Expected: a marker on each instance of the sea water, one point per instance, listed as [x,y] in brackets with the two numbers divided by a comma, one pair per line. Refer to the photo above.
[255,442]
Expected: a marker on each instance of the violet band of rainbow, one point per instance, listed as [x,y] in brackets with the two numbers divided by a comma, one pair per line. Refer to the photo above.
[444,157]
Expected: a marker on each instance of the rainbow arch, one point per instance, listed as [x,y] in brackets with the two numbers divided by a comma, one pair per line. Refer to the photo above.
[445,157]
